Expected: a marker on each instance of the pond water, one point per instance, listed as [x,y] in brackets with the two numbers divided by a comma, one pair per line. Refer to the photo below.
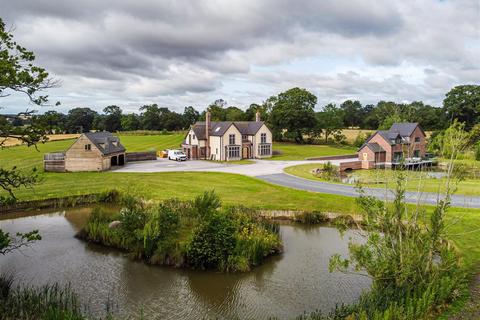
[285,286]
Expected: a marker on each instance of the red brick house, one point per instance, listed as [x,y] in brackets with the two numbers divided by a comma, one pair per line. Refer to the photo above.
[388,148]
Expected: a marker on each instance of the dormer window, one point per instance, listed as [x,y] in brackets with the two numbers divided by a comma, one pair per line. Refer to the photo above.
[115,143]
[102,145]
[398,140]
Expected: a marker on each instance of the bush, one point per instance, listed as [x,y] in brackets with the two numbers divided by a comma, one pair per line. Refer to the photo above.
[311,217]
[477,151]
[212,243]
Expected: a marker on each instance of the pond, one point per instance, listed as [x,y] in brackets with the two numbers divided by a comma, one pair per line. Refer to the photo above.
[286,286]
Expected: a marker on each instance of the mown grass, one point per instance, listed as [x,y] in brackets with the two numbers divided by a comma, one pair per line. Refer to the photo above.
[292,151]
[416,180]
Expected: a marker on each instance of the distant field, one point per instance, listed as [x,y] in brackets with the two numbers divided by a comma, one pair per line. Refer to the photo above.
[292,151]
[8,142]
[382,178]
[352,134]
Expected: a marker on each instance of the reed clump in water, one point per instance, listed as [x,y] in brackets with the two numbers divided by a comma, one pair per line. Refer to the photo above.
[199,234]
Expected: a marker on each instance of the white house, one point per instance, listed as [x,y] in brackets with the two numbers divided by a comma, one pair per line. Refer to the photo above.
[228,140]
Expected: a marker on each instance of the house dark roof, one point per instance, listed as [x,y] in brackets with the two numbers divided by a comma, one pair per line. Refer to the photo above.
[218,128]
[105,142]
[405,129]
[375,147]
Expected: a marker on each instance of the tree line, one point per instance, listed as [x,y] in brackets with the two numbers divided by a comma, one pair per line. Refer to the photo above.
[290,114]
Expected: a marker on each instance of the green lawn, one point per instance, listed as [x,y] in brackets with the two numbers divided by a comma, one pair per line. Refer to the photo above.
[233,189]
[380,178]
[292,151]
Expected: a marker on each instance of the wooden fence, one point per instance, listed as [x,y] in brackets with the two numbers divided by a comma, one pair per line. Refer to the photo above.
[141,156]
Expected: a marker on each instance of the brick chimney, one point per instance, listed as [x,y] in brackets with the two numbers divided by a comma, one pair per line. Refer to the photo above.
[207,134]
[257,116]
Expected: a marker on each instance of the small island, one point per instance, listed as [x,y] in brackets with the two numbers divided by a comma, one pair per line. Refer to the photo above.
[199,234]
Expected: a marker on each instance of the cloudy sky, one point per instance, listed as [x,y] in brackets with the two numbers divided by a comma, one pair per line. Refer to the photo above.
[178,53]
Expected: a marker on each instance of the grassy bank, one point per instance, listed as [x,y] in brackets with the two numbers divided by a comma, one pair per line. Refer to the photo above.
[292,151]
[385,178]
[195,234]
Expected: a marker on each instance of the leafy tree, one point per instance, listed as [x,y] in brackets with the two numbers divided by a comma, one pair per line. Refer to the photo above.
[150,117]
[113,119]
[389,121]
[370,120]
[190,116]
[171,121]
[217,113]
[18,73]
[293,111]
[53,121]
[353,113]
[234,114]
[80,120]
[330,120]
[463,103]
[130,122]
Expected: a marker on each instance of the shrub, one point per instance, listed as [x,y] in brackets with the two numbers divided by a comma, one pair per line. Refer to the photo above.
[212,243]
[311,217]
[477,151]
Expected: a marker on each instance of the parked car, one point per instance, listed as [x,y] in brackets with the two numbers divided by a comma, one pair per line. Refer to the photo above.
[176,155]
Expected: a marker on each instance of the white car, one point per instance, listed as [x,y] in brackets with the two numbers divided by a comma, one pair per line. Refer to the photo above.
[176,155]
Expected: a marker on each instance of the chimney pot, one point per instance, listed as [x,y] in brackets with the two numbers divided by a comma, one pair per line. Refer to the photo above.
[257,116]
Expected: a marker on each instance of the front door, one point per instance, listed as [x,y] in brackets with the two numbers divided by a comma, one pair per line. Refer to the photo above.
[245,153]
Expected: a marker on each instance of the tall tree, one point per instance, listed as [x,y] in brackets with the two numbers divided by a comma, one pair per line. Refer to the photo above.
[234,114]
[293,111]
[353,113]
[330,120]
[150,117]
[190,116]
[130,122]
[18,73]
[80,119]
[53,121]
[463,103]
[113,118]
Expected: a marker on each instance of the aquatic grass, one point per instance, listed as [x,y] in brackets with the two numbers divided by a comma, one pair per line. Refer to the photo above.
[46,302]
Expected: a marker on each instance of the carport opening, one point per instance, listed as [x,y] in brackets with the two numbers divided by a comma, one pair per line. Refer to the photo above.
[113,161]
[121,160]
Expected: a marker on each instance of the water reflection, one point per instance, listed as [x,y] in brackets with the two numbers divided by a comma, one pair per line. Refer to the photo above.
[285,286]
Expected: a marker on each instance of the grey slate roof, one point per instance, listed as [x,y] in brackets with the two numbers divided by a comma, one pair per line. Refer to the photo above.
[405,129]
[107,139]
[218,128]
[375,147]
[402,130]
